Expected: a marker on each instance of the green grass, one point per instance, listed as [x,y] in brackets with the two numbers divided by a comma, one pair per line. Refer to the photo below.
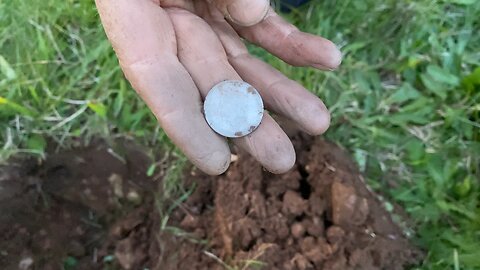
[405,102]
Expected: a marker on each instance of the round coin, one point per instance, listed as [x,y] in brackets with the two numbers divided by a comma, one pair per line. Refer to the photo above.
[233,108]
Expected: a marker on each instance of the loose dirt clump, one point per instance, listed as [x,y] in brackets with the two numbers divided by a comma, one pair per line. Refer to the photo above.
[90,209]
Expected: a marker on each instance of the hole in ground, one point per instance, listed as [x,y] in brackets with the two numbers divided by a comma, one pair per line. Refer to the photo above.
[300,218]
[327,223]
[305,188]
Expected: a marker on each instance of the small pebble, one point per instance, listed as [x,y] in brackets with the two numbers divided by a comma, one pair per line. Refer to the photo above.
[297,230]
[25,263]
[134,197]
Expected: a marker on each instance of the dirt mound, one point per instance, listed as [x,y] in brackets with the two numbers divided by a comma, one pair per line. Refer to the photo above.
[55,214]
[92,208]
[318,216]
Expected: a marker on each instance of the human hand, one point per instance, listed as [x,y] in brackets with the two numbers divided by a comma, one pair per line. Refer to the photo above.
[174,51]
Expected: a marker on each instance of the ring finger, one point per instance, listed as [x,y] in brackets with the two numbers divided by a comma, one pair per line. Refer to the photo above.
[202,54]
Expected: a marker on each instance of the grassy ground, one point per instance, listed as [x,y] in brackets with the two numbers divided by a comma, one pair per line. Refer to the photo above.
[405,103]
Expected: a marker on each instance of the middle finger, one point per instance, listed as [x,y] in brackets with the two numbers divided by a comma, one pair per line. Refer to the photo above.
[280,94]
[203,56]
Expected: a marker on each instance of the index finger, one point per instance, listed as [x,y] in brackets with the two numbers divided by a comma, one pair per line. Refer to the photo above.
[144,40]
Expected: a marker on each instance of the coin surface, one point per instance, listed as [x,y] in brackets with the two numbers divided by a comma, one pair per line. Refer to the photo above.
[233,108]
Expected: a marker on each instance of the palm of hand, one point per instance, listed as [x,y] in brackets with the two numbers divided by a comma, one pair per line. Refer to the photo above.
[174,51]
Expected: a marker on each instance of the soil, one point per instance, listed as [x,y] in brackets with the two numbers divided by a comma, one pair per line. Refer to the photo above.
[92,208]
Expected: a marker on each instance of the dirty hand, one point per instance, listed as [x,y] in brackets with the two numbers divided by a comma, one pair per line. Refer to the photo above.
[174,51]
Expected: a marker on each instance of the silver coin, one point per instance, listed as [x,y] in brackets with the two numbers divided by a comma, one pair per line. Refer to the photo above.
[233,108]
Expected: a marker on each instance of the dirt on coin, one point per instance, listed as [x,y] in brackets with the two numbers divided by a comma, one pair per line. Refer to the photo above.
[95,208]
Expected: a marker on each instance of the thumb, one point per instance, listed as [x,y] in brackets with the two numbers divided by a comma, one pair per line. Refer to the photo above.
[244,12]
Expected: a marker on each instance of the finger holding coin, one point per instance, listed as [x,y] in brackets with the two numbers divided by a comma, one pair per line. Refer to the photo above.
[208,66]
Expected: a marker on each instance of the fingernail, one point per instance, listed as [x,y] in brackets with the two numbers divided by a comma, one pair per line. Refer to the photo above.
[247,12]
[337,57]
[332,62]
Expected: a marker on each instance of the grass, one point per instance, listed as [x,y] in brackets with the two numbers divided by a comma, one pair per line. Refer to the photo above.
[405,102]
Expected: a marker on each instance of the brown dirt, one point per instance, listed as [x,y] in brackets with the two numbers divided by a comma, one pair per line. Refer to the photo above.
[88,209]
[62,207]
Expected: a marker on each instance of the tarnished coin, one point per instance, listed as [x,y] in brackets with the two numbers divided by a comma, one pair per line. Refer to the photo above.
[233,108]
